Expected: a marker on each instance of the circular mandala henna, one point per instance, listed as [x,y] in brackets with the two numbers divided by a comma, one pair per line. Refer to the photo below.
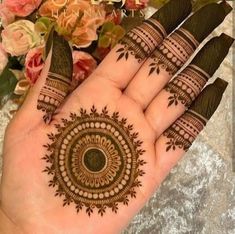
[94,160]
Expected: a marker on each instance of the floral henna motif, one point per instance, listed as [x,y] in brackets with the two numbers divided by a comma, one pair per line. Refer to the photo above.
[173,52]
[94,161]
[186,86]
[141,41]
[184,131]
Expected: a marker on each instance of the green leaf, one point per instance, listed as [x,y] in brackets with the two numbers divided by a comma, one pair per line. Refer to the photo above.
[104,42]
[119,31]
[42,25]
[8,83]
[107,27]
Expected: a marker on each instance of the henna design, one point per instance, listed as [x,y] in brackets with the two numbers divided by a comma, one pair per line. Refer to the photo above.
[184,131]
[52,94]
[95,161]
[142,40]
[173,52]
[186,86]
[59,77]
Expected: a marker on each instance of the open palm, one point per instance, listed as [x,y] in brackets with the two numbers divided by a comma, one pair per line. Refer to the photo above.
[111,128]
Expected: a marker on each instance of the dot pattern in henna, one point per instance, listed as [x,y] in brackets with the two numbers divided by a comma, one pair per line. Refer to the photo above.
[52,94]
[141,41]
[95,161]
[186,86]
[173,52]
[184,131]
[58,81]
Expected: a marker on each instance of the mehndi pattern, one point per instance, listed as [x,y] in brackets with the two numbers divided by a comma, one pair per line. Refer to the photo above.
[95,161]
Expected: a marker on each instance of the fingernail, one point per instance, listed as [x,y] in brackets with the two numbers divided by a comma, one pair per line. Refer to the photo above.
[209,99]
[228,41]
[227,7]
[205,20]
[213,53]
[173,13]
[221,84]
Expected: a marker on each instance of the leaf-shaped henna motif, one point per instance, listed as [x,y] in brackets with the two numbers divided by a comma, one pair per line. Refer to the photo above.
[141,41]
[183,132]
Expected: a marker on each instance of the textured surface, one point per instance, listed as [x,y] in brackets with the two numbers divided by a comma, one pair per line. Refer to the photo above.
[199,194]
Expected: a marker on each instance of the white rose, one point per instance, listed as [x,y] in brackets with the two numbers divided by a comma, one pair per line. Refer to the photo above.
[19,37]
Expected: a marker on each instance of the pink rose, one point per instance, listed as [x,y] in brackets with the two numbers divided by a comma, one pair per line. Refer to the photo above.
[34,64]
[135,5]
[22,7]
[83,65]
[6,16]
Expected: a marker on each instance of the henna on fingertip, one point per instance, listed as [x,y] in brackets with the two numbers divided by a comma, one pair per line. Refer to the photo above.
[141,41]
[185,130]
[59,77]
[185,87]
[176,49]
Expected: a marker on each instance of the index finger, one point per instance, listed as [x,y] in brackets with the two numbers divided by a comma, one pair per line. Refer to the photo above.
[125,59]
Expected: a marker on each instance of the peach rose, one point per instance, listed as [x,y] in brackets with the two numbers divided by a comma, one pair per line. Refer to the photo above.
[22,7]
[34,64]
[78,21]
[19,37]
[51,8]
[6,16]
[3,58]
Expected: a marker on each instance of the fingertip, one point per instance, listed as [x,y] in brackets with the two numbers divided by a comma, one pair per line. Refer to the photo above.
[209,99]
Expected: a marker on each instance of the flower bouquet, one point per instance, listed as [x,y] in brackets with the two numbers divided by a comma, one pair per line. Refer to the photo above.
[92,27]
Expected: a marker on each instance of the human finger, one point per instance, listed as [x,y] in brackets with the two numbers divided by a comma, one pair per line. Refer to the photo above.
[180,92]
[177,139]
[53,86]
[125,59]
[174,52]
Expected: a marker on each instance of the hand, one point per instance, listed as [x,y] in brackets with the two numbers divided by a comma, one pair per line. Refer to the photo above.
[89,153]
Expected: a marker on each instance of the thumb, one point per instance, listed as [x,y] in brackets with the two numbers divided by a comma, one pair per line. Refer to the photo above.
[53,84]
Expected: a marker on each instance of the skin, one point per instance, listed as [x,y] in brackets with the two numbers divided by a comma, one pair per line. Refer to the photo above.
[29,206]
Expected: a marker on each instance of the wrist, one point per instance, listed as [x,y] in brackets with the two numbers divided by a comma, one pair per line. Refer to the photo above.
[7,226]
